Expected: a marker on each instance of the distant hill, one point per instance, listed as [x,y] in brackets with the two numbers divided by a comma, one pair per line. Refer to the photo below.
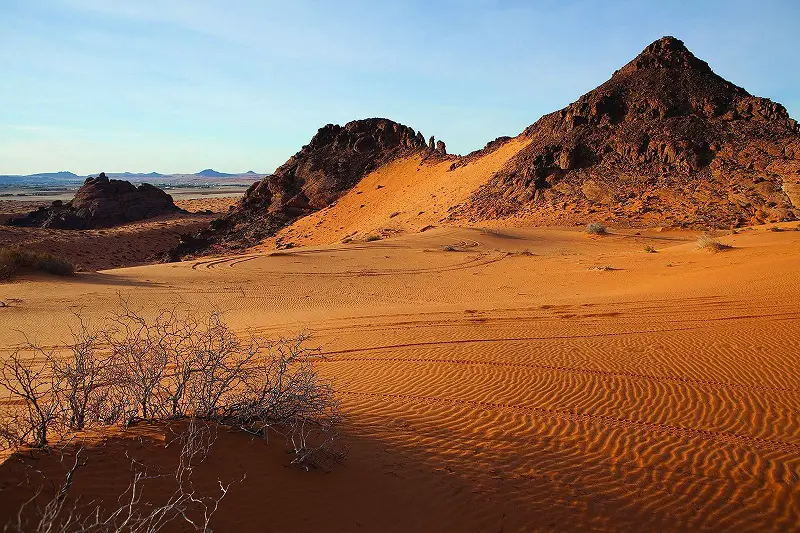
[64,174]
[128,175]
[211,173]
[68,178]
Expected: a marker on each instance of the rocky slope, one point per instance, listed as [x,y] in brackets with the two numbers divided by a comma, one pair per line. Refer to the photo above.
[99,203]
[664,141]
[333,162]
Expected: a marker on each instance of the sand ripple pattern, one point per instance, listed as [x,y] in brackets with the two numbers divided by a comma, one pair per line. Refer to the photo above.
[597,419]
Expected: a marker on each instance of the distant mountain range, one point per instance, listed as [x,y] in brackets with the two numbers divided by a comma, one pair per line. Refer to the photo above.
[69,178]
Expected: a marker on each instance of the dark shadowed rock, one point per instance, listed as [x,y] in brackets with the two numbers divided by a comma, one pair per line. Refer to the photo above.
[665,140]
[101,202]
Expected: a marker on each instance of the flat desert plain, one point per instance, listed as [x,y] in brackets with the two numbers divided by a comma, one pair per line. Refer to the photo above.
[495,379]
[134,243]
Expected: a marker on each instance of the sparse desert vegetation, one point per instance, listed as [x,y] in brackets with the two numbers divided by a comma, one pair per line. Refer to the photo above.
[708,242]
[167,367]
[14,262]
[596,228]
[173,369]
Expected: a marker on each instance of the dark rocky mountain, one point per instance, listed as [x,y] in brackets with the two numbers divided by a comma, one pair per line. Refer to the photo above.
[101,202]
[664,141]
[334,161]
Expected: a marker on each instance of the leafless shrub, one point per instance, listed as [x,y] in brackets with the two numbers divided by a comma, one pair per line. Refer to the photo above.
[56,515]
[132,513]
[171,366]
[80,378]
[34,408]
[283,393]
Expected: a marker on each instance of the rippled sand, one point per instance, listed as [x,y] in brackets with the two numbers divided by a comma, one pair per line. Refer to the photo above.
[501,380]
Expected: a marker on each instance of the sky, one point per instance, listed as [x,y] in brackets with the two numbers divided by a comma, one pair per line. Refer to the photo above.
[181,85]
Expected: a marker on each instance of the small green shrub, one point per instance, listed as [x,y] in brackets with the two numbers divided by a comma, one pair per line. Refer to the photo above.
[372,238]
[650,250]
[596,228]
[14,261]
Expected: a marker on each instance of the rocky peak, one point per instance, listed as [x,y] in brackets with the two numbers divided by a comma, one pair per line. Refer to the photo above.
[664,119]
[667,52]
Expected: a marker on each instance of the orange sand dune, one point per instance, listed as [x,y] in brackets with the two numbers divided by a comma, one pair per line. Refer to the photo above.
[404,196]
[499,379]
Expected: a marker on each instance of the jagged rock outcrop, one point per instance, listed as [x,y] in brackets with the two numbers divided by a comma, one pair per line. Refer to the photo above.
[99,203]
[664,141]
[333,162]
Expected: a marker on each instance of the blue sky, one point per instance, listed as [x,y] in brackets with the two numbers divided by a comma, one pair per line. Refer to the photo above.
[181,85]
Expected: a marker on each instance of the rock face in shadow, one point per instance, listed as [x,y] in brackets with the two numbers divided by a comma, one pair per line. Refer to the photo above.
[101,203]
[333,162]
[665,140]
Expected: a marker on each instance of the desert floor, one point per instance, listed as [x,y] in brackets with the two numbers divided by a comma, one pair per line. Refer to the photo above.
[135,243]
[497,380]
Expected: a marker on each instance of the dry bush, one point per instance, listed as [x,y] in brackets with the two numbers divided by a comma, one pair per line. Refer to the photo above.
[706,241]
[132,513]
[371,238]
[650,250]
[171,366]
[14,261]
[35,410]
[596,228]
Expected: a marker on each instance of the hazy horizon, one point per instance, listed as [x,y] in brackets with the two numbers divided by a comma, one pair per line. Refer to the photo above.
[173,86]
[142,173]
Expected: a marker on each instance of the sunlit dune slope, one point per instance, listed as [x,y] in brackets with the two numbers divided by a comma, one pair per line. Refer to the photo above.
[404,196]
